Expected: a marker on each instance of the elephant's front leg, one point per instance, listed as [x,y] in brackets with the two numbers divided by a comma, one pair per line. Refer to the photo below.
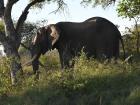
[65,58]
[35,64]
[61,59]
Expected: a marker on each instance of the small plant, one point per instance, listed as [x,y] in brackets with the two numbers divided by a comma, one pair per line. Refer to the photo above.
[5,80]
[90,82]
[1,26]
[50,60]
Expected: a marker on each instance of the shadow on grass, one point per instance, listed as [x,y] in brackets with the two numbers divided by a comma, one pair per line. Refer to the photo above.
[119,89]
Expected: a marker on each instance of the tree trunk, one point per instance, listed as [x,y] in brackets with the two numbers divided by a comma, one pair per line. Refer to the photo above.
[138,40]
[12,38]
[14,60]
[137,35]
[11,41]
[138,44]
[1,8]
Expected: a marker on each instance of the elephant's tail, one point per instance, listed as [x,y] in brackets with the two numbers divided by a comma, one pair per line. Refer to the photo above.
[124,54]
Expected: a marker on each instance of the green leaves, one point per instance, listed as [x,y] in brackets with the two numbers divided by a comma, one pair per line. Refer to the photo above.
[94,3]
[41,3]
[131,9]
[1,26]
[128,8]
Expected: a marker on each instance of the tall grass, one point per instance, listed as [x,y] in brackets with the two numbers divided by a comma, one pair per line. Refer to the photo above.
[90,82]
[4,75]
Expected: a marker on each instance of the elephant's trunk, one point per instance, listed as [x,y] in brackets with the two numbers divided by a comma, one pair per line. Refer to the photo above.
[30,62]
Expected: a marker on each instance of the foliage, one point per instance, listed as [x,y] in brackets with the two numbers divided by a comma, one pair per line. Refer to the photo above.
[90,82]
[61,5]
[130,43]
[4,75]
[130,39]
[51,59]
[28,31]
[40,4]
[129,8]
[1,26]
[103,3]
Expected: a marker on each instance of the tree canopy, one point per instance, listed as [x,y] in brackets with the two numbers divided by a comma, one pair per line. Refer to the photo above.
[129,8]
[103,3]
[62,3]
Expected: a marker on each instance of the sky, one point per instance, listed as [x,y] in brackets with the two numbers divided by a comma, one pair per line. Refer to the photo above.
[74,12]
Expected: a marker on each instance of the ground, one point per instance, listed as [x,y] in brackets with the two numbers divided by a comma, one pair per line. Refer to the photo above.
[90,82]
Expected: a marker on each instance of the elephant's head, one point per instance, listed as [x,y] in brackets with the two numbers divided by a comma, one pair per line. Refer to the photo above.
[43,41]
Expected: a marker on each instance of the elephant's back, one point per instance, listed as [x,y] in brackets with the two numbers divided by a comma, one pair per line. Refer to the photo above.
[75,30]
[104,25]
[99,20]
[106,33]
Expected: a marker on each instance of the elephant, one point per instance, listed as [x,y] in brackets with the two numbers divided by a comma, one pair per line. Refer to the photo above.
[96,36]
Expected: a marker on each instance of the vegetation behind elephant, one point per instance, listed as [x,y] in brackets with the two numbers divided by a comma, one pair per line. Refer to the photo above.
[97,36]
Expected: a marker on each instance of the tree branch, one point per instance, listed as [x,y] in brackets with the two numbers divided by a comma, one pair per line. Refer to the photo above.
[130,30]
[61,5]
[12,1]
[24,14]
[10,31]
[3,37]
[1,8]
[7,16]
[103,3]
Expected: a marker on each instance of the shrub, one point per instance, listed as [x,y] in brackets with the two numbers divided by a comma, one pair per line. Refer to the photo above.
[90,82]
[5,80]
[1,26]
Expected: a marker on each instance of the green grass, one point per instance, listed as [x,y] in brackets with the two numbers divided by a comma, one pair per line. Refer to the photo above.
[1,26]
[90,82]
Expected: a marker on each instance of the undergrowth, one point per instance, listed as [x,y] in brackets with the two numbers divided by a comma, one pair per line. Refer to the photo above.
[90,82]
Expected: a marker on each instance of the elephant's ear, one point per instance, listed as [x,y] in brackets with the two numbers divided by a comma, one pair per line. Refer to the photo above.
[55,33]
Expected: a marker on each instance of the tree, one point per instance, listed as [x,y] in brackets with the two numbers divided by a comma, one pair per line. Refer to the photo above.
[131,9]
[130,39]
[27,32]
[11,39]
[1,8]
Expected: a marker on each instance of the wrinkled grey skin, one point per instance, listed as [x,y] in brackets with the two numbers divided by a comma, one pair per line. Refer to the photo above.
[97,36]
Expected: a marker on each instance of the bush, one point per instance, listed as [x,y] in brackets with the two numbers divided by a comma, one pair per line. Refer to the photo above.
[1,26]
[90,82]
[5,80]
[51,60]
